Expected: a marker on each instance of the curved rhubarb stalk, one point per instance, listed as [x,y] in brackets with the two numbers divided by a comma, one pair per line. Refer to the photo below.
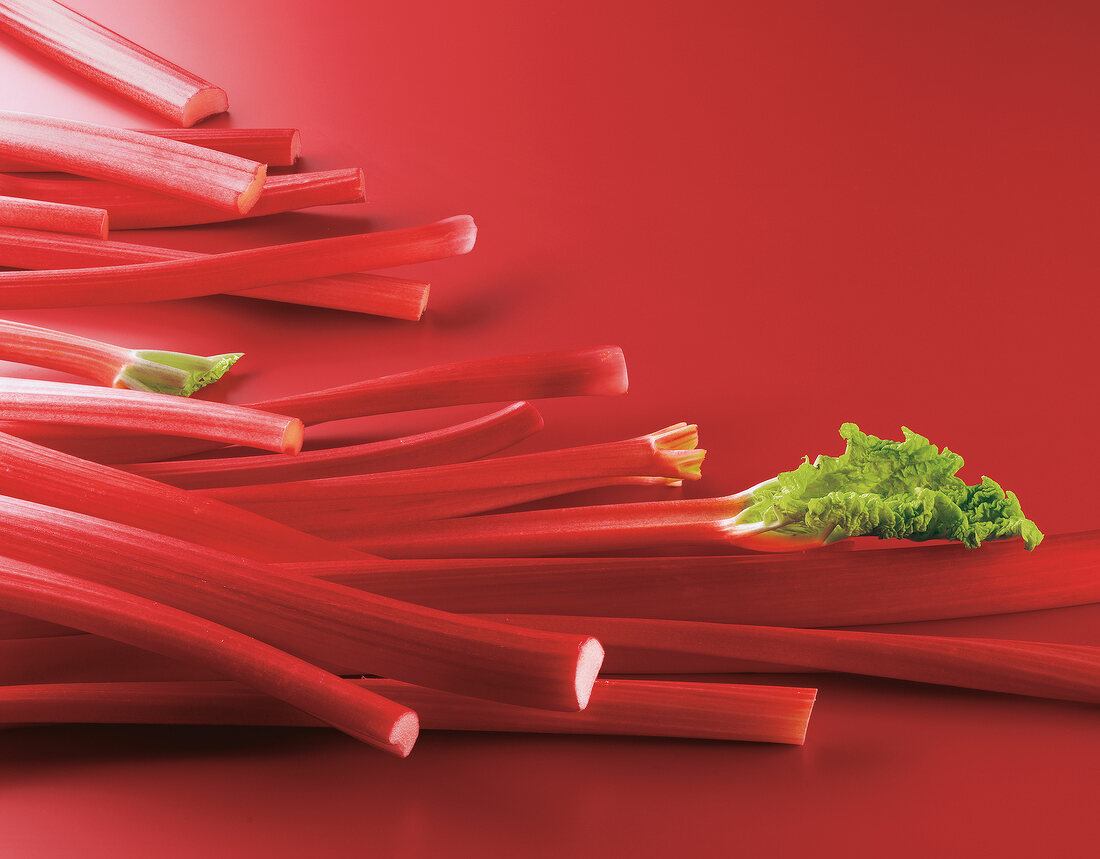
[359,292]
[236,270]
[275,147]
[328,624]
[55,217]
[115,63]
[133,208]
[461,442]
[46,476]
[114,366]
[339,505]
[53,596]
[117,155]
[646,708]
[84,405]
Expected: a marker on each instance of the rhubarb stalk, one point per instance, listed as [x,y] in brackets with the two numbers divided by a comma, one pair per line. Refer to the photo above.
[55,217]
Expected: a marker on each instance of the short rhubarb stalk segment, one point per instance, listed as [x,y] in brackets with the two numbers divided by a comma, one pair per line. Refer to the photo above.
[63,598]
[84,405]
[114,366]
[459,443]
[117,155]
[55,217]
[236,270]
[706,711]
[115,63]
[331,625]
[275,147]
[135,208]
[358,292]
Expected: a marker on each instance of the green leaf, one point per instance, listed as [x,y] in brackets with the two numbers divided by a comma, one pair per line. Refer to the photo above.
[887,489]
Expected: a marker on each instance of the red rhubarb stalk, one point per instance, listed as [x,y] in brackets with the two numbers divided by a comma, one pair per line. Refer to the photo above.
[62,598]
[459,443]
[45,476]
[56,217]
[85,405]
[342,504]
[236,270]
[114,366]
[275,147]
[117,155]
[115,63]
[706,711]
[825,587]
[1067,672]
[328,624]
[359,292]
[133,208]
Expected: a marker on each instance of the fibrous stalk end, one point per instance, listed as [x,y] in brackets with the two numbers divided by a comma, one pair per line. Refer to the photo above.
[173,372]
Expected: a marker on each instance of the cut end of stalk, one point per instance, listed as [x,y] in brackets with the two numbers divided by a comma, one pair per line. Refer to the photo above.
[406,730]
[464,233]
[295,146]
[293,436]
[800,736]
[173,372]
[688,464]
[251,194]
[609,378]
[589,661]
[206,102]
[679,436]
[423,305]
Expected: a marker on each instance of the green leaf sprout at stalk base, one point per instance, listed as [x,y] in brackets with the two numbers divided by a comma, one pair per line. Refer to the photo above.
[887,489]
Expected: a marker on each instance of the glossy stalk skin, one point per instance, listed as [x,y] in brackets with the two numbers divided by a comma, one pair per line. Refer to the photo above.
[112,61]
[340,504]
[133,208]
[63,598]
[597,371]
[275,147]
[1066,672]
[328,624]
[459,443]
[358,292]
[640,708]
[44,476]
[85,405]
[53,217]
[158,164]
[110,365]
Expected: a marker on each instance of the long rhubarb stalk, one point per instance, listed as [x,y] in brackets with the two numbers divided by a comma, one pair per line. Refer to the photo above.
[1067,672]
[45,476]
[53,596]
[328,624]
[342,504]
[459,443]
[117,155]
[133,208]
[85,405]
[114,366]
[359,292]
[708,711]
[56,217]
[824,587]
[578,372]
[236,270]
[275,147]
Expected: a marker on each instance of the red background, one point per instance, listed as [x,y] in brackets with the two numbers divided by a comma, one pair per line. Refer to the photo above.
[789,215]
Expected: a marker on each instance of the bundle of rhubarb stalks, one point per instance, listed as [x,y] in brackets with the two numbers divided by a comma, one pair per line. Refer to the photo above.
[377,588]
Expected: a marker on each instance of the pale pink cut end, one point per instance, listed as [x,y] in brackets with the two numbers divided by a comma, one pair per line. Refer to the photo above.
[612,379]
[296,146]
[206,102]
[404,734]
[423,304]
[589,661]
[251,194]
[465,233]
[801,737]
[293,436]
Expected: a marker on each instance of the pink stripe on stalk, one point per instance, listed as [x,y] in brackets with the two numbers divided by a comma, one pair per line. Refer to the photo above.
[55,217]
[359,292]
[62,598]
[84,405]
[237,270]
[117,155]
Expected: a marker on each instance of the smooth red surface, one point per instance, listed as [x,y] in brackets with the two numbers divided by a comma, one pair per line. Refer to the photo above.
[789,215]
